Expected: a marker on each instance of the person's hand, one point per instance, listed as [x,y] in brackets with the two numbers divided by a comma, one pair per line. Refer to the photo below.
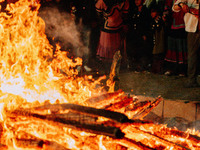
[184,7]
[195,12]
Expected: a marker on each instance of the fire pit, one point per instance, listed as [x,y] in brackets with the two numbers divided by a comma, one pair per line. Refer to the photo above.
[45,105]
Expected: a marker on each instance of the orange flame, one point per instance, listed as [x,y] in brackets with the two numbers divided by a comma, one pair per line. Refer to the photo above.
[28,70]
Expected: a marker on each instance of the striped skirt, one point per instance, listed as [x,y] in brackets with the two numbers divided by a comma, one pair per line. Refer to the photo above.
[109,43]
[177,50]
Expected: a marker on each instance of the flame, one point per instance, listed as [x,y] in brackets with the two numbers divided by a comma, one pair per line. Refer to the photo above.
[1,111]
[28,67]
[29,72]
[101,146]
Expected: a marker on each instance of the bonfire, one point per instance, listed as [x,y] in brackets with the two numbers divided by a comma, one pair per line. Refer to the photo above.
[45,104]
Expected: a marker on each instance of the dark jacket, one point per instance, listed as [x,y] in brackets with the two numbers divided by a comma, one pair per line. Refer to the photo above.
[139,22]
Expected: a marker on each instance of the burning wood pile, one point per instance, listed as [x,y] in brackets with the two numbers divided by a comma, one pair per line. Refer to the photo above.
[45,105]
[102,124]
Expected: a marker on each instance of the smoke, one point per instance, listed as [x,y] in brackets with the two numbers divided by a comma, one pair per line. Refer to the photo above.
[60,28]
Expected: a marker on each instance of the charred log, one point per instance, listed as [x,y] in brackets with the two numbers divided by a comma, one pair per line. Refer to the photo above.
[119,117]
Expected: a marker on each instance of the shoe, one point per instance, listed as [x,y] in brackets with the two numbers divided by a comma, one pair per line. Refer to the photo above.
[168,73]
[87,69]
[181,75]
[192,85]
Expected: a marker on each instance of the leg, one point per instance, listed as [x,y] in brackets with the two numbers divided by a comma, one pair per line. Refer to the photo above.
[193,46]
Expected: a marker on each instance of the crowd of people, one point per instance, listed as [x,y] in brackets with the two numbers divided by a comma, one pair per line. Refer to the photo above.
[162,37]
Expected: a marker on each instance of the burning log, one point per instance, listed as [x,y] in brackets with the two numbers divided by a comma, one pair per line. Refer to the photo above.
[156,142]
[121,104]
[104,99]
[54,146]
[75,116]
[29,143]
[114,71]
[38,144]
[51,119]
[119,117]
[124,143]
[173,135]
[123,132]
[141,109]
[131,143]
[26,140]
[138,134]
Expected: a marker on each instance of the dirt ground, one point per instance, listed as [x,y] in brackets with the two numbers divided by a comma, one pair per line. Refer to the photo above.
[170,88]
[154,85]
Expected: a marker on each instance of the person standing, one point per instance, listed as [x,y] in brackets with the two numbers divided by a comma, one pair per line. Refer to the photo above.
[139,38]
[176,55]
[158,31]
[87,24]
[192,26]
[112,14]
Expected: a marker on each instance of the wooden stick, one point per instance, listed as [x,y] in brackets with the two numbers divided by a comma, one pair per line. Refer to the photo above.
[114,71]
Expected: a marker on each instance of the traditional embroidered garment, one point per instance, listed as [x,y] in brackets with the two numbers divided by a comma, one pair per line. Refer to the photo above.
[177,49]
[191,21]
[111,38]
[178,22]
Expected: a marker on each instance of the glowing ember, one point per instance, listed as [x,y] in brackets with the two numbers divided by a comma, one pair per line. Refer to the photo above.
[45,105]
